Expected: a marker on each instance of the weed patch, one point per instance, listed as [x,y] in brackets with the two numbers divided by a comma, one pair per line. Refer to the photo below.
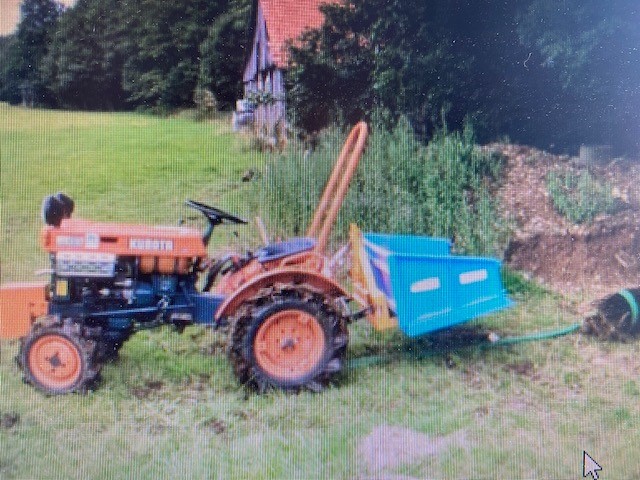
[518,285]
[580,196]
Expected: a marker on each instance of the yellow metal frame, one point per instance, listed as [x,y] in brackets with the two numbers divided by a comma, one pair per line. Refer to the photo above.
[366,292]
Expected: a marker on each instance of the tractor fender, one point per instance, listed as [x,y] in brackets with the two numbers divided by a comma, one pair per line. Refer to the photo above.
[20,305]
[279,277]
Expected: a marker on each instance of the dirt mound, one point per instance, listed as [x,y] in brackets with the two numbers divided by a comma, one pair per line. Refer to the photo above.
[592,259]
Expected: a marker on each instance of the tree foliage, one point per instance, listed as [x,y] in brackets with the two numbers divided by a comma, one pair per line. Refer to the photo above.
[21,70]
[543,72]
[113,54]
[224,51]
[407,58]
[9,82]
[162,63]
[593,49]
[372,55]
[84,64]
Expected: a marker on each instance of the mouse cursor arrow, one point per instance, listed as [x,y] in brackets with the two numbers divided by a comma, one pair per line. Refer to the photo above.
[590,466]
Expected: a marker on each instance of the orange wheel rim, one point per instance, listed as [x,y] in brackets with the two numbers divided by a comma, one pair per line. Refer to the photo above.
[289,344]
[55,362]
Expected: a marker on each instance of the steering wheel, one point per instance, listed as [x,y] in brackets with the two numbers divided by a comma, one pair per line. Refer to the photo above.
[214,215]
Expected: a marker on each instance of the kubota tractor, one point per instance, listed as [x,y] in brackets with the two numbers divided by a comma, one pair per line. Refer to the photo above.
[286,313]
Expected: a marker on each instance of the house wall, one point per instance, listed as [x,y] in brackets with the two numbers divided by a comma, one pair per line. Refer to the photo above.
[261,76]
[260,59]
[269,117]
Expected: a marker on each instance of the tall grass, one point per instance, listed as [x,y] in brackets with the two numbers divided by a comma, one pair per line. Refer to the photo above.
[401,186]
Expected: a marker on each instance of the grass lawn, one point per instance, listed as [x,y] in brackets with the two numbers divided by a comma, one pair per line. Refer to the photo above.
[170,406]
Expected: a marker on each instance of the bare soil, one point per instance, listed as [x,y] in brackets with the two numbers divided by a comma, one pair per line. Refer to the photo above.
[388,447]
[584,261]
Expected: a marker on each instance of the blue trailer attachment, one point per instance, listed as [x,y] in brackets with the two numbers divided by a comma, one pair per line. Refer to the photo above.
[424,286]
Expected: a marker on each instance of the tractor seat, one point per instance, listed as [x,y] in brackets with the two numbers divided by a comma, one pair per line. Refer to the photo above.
[289,247]
[55,208]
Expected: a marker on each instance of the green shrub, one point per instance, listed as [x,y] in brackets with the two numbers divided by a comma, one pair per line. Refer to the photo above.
[579,196]
[451,190]
[519,286]
[401,186]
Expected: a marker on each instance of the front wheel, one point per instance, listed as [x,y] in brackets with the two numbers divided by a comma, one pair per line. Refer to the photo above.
[57,359]
[289,343]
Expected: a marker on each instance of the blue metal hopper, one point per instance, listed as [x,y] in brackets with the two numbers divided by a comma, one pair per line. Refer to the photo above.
[429,289]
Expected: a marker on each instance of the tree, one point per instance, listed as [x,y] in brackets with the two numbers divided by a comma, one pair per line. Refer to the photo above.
[543,72]
[22,73]
[593,49]
[417,59]
[162,45]
[110,54]
[85,62]
[9,67]
[223,53]
[394,56]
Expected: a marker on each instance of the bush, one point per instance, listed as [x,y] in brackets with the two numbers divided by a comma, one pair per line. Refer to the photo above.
[579,196]
[206,104]
[401,186]
[451,190]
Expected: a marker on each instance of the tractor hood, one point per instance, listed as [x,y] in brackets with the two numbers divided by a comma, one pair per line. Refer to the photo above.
[123,239]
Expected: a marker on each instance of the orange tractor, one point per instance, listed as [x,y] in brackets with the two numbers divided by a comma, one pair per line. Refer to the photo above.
[286,313]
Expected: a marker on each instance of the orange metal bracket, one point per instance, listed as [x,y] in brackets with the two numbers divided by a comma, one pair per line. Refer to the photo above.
[20,305]
[337,186]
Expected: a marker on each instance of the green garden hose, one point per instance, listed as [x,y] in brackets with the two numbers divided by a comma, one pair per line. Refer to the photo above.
[633,305]
[533,337]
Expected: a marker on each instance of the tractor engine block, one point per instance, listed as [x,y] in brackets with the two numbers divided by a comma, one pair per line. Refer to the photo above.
[116,278]
[115,293]
[107,282]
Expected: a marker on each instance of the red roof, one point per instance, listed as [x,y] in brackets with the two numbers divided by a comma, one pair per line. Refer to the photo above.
[286,20]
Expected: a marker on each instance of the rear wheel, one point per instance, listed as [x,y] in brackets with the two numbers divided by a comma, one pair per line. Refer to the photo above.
[58,359]
[289,342]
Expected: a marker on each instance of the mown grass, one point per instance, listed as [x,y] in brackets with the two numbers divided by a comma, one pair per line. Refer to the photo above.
[170,406]
[164,410]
